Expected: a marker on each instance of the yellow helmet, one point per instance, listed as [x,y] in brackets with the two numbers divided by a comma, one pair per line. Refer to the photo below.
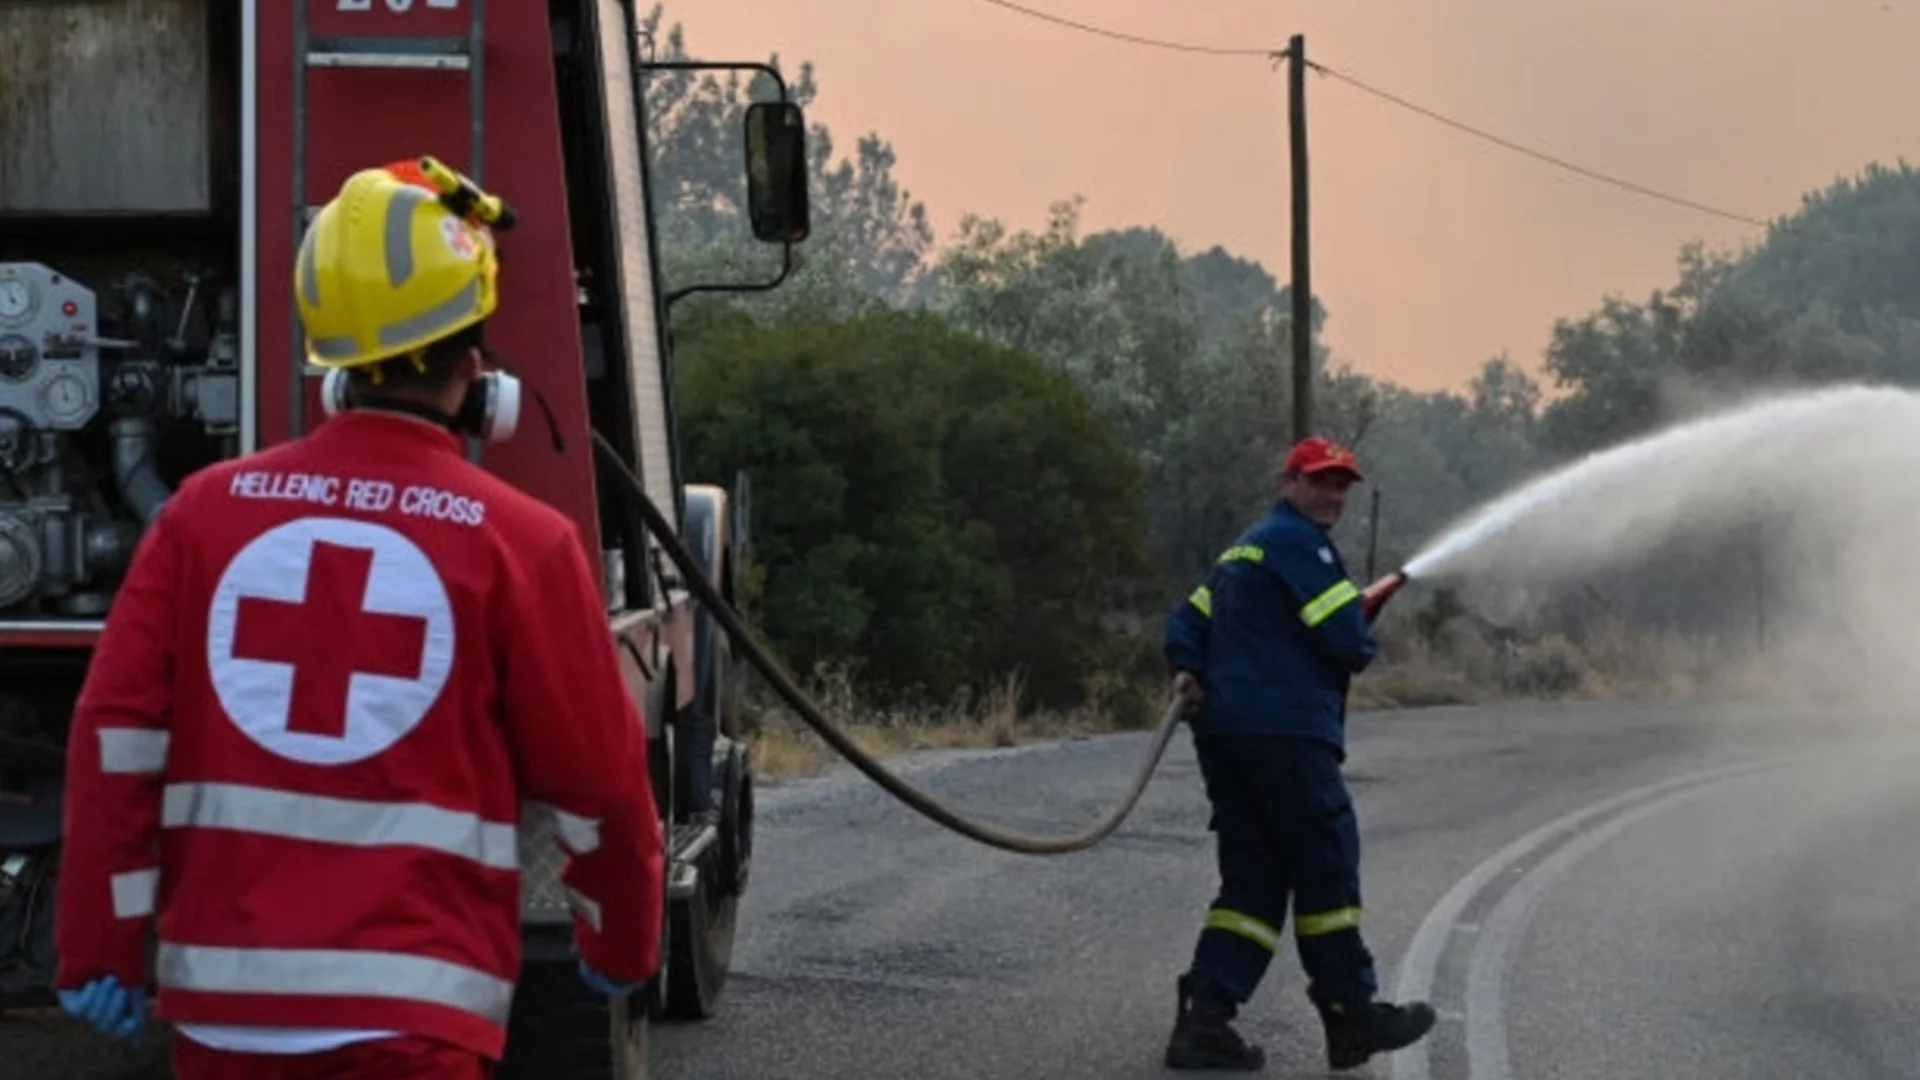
[388,267]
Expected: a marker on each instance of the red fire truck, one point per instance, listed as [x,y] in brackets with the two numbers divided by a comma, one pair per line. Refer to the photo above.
[159,160]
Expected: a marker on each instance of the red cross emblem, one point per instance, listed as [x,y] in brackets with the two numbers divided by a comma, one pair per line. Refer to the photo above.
[329,639]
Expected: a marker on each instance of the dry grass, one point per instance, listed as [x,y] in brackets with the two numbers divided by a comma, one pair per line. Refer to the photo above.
[1465,666]
[783,747]
[1462,666]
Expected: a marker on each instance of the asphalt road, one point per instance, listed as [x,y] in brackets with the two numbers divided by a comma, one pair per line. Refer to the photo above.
[1583,890]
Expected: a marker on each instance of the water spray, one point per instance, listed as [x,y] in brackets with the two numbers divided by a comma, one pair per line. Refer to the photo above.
[1713,471]
[1818,474]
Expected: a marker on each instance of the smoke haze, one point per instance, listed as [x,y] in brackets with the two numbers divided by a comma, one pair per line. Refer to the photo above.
[1801,502]
[1432,250]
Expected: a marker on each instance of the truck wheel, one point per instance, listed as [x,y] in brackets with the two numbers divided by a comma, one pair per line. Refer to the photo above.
[735,770]
[701,945]
[562,1030]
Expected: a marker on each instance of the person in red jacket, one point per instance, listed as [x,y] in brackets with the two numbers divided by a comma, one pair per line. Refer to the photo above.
[336,670]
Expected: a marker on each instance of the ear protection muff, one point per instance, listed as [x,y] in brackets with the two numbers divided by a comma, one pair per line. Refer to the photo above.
[492,407]
[333,392]
[490,411]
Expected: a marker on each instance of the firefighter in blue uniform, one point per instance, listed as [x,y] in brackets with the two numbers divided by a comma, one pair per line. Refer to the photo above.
[1265,651]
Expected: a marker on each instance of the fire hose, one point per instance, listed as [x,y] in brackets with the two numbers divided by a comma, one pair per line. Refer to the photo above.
[462,196]
[790,692]
[1372,600]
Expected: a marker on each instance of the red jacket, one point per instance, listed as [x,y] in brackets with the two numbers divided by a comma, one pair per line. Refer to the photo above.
[333,674]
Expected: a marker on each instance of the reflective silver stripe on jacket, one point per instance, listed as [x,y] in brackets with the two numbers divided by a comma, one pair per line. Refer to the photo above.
[139,751]
[334,973]
[353,822]
[586,907]
[579,835]
[134,892]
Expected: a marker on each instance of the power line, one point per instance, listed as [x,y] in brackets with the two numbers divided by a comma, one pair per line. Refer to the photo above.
[1503,143]
[1537,155]
[1157,43]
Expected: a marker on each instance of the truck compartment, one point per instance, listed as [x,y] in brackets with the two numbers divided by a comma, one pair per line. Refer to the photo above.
[119,284]
[117,108]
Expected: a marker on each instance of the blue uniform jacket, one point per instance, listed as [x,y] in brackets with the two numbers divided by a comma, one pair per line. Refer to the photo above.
[1275,635]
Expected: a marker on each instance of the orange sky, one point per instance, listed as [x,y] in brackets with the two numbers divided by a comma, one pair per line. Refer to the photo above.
[1432,250]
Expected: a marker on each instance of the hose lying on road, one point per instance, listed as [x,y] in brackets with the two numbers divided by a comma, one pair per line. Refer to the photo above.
[790,692]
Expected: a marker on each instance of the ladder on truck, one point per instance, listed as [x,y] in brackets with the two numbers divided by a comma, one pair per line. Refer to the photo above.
[350,58]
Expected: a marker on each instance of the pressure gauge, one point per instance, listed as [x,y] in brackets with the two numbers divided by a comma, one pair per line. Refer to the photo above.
[66,399]
[16,299]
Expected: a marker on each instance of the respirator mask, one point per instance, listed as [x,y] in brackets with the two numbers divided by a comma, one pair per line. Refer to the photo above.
[489,412]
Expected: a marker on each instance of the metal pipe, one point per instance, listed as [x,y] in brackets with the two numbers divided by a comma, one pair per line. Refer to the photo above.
[133,469]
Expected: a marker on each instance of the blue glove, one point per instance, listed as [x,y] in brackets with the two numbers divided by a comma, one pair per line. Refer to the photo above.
[112,1009]
[604,985]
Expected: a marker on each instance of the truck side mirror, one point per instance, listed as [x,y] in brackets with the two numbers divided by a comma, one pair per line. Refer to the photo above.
[777,172]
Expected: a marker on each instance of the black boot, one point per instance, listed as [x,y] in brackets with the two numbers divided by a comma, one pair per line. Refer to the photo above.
[1357,1032]
[1202,1037]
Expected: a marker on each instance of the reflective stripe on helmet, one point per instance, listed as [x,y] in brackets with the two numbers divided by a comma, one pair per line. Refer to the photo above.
[400,233]
[336,349]
[309,276]
[436,321]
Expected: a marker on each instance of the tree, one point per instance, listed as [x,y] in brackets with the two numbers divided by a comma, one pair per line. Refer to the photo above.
[934,507]
[869,234]
[1186,356]
[1832,293]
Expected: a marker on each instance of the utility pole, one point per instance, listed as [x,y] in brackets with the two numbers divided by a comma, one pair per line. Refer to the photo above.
[1373,535]
[1302,287]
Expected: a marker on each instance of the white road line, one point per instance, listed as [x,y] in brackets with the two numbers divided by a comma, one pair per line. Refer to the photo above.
[1492,956]
[1421,964]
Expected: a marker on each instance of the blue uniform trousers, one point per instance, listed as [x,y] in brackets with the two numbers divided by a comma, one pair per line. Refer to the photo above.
[1286,830]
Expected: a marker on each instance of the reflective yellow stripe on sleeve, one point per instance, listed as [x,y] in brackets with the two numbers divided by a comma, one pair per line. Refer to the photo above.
[1321,607]
[1243,553]
[1202,598]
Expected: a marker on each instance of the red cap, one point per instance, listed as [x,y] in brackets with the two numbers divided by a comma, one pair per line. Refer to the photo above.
[1315,454]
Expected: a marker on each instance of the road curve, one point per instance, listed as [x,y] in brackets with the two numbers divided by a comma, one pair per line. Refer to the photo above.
[1762,928]
[1584,890]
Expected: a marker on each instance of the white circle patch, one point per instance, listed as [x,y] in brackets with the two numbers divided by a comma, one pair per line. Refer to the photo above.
[329,639]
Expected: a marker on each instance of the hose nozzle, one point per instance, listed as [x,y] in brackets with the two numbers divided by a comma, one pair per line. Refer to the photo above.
[1377,594]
